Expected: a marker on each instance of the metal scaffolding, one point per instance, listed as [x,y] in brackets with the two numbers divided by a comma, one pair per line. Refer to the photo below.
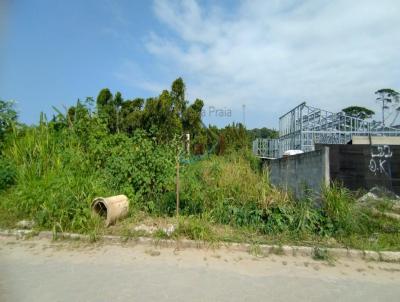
[304,126]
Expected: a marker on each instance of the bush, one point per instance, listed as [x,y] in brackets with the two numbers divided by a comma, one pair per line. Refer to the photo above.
[8,174]
[140,164]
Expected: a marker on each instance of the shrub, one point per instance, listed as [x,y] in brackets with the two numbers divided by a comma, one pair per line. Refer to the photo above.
[8,174]
[140,164]
[280,218]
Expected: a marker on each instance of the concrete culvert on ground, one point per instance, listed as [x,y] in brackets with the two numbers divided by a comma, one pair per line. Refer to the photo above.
[111,208]
[100,209]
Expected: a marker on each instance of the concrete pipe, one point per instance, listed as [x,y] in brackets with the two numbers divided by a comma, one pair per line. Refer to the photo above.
[111,208]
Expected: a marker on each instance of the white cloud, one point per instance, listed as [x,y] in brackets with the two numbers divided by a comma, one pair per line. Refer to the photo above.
[272,55]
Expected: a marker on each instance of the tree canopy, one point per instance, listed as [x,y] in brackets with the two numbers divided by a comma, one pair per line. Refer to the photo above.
[358,112]
[387,91]
[387,95]
[164,117]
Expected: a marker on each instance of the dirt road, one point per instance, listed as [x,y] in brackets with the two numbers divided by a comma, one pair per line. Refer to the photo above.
[41,270]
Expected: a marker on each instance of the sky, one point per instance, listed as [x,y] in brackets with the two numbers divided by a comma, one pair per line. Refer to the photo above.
[260,58]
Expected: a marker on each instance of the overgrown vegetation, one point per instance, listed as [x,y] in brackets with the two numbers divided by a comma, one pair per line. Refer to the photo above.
[51,172]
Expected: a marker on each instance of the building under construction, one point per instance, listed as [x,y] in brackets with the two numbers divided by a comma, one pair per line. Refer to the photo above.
[304,126]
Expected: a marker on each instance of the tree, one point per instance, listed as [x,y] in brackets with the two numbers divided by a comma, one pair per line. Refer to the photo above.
[160,118]
[117,104]
[8,116]
[164,117]
[263,133]
[71,115]
[233,137]
[191,118]
[104,98]
[358,112]
[109,107]
[192,124]
[178,89]
[386,96]
[131,115]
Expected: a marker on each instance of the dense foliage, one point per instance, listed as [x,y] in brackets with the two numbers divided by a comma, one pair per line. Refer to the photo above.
[263,133]
[59,172]
[51,172]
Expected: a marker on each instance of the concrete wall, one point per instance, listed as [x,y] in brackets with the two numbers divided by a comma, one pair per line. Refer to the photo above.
[354,166]
[365,166]
[297,172]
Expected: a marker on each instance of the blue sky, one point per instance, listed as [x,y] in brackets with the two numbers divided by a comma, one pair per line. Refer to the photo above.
[266,55]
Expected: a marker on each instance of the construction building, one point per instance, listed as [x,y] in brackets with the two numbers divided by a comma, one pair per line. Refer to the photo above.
[304,126]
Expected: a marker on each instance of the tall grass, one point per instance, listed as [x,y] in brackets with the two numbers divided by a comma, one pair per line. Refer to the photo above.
[59,172]
[226,184]
[35,152]
[55,183]
[51,175]
[338,206]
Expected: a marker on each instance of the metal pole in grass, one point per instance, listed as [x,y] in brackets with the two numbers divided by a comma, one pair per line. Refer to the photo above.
[178,151]
[177,185]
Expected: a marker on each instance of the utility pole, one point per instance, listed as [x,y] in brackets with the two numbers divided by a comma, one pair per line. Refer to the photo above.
[383,113]
[384,99]
[187,144]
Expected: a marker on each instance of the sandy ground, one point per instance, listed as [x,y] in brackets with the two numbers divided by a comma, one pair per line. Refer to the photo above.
[42,270]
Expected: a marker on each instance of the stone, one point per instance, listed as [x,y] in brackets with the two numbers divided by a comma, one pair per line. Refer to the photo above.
[390,256]
[145,228]
[169,229]
[367,196]
[371,255]
[26,224]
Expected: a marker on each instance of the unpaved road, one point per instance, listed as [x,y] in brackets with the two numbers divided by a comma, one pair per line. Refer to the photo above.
[41,270]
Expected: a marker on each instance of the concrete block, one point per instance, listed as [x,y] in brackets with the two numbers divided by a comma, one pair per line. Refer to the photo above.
[304,251]
[390,256]
[371,255]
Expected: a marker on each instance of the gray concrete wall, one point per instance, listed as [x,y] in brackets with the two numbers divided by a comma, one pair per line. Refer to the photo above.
[298,172]
[365,166]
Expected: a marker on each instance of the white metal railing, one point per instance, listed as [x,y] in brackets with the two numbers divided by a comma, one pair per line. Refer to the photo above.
[304,126]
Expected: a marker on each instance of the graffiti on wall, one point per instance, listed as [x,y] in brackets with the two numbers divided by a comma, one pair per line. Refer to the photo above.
[380,160]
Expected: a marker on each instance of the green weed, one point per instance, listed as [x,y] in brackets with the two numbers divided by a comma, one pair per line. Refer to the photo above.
[321,254]
[255,250]
[196,229]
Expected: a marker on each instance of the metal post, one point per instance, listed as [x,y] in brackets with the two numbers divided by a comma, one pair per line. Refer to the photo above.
[177,185]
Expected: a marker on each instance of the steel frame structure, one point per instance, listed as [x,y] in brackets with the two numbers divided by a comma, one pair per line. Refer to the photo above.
[304,126]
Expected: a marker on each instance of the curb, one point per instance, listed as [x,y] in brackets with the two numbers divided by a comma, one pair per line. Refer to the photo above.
[387,256]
